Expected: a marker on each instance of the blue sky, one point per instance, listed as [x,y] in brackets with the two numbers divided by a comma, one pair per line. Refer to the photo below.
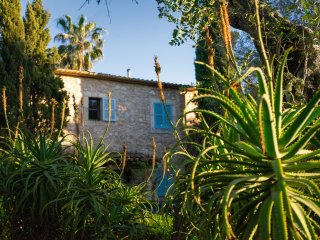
[134,35]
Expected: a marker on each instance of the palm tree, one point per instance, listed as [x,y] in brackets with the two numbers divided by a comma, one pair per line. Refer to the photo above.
[81,44]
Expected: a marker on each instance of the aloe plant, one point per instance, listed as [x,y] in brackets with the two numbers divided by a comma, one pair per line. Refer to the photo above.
[31,172]
[96,203]
[48,193]
[257,176]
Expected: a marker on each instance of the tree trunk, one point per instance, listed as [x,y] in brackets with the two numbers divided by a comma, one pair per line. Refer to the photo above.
[279,34]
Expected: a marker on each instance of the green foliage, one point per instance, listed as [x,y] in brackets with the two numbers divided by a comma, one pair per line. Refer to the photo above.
[189,17]
[49,191]
[95,201]
[156,226]
[12,56]
[81,44]
[32,173]
[24,58]
[304,12]
[37,34]
[256,177]
[297,27]
[205,77]
[39,79]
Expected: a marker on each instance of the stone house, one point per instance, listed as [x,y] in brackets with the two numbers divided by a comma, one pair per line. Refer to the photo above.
[137,114]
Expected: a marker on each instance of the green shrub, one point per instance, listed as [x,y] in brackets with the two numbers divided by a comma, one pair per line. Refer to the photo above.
[48,193]
[32,171]
[158,226]
[96,202]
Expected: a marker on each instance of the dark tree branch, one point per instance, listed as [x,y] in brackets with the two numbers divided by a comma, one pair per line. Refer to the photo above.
[279,35]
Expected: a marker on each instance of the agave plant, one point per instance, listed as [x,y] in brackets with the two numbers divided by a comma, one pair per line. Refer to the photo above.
[95,203]
[32,170]
[84,199]
[257,176]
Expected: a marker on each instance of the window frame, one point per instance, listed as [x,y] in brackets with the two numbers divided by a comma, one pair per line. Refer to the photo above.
[98,109]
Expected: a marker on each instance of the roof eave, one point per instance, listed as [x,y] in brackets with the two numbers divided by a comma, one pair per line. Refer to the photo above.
[109,77]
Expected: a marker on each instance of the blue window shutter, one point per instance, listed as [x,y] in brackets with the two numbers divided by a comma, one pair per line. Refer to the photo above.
[105,109]
[113,109]
[158,115]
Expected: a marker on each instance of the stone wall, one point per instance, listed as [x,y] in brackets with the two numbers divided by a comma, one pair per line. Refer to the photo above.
[134,125]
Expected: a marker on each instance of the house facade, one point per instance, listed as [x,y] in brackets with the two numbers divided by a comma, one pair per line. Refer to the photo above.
[137,113]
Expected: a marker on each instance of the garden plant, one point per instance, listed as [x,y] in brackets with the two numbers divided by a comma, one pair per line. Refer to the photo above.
[50,189]
[253,173]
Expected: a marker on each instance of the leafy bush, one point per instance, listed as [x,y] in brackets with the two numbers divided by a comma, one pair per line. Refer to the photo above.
[158,226]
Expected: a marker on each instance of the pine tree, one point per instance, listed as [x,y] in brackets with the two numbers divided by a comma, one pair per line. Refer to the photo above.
[12,47]
[39,82]
[43,85]
[37,34]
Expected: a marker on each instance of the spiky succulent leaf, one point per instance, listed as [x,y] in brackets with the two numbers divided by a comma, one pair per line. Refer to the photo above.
[298,124]
[279,92]
[267,129]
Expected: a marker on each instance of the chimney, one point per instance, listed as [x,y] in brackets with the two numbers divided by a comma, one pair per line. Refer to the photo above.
[129,73]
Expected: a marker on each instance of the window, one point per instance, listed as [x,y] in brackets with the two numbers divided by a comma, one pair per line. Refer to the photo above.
[98,109]
[113,109]
[94,108]
[161,120]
